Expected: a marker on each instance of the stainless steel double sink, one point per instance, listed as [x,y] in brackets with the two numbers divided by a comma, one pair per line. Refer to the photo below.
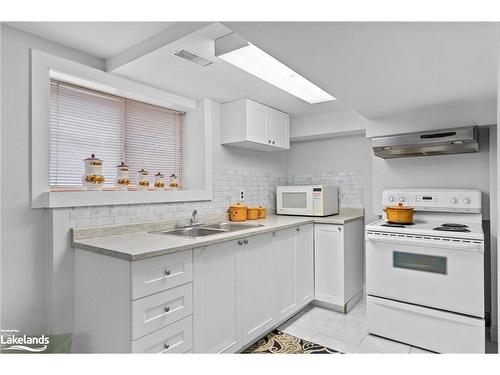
[207,230]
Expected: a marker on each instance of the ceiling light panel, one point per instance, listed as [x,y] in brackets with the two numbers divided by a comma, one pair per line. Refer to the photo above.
[255,61]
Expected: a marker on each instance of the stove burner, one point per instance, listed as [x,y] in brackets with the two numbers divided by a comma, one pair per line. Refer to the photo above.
[453,225]
[452,229]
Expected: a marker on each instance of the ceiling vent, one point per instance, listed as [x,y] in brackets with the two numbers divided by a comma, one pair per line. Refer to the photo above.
[190,56]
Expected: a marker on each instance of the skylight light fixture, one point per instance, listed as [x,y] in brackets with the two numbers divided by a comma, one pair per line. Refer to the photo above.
[248,57]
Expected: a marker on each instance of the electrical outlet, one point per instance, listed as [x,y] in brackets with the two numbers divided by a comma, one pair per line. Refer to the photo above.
[242,195]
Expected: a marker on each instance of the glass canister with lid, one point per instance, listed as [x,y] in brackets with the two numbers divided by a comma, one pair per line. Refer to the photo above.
[174,183]
[159,181]
[122,179]
[142,179]
[93,178]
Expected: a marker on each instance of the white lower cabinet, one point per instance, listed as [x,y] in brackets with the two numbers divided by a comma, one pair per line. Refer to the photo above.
[217,298]
[258,286]
[175,338]
[245,288]
[338,257]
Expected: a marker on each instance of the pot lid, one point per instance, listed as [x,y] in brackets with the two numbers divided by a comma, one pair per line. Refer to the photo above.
[143,171]
[159,174]
[238,205]
[401,207]
[92,157]
[122,165]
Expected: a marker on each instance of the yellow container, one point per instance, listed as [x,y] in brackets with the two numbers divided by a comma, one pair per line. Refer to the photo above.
[238,212]
[261,212]
[252,213]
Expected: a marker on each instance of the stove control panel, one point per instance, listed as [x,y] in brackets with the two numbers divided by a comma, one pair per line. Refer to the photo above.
[448,200]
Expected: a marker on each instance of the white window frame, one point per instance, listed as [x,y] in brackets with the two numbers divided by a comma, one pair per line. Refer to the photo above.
[45,67]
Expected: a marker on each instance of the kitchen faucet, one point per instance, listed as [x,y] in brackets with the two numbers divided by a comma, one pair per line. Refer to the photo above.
[194,218]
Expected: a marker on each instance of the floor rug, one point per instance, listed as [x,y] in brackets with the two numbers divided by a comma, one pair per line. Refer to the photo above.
[278,342]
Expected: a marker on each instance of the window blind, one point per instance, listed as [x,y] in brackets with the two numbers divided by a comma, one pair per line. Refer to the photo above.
[83,121]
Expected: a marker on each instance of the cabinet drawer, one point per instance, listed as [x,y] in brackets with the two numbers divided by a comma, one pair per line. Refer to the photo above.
[161,273]
[175,338]
[161,309]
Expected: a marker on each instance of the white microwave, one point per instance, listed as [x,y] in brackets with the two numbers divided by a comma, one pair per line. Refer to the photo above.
[307,200]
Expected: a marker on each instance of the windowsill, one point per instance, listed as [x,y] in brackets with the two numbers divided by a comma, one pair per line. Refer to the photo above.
[59,199]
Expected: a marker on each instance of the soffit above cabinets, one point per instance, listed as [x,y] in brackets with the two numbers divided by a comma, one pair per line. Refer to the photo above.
[219,81]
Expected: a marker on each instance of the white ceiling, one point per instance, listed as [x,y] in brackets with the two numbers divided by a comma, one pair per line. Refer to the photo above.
[386,68]
[219,81]
[374,68]
[101,39]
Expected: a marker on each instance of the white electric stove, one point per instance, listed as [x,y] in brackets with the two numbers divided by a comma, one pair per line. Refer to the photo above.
[425,280]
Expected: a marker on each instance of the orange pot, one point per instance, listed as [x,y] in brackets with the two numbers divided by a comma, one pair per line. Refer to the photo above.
[252,213]
[262,212]
[399,214]
[238,212]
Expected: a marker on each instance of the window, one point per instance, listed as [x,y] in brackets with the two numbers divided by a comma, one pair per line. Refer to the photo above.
[115,129]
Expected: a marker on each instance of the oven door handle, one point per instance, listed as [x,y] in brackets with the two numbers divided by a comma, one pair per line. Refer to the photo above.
[455,245]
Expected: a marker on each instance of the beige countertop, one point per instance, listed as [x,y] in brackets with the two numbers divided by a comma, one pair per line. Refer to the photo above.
[140,244]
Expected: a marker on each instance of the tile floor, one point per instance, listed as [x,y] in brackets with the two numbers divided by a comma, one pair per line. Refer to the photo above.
[345,332]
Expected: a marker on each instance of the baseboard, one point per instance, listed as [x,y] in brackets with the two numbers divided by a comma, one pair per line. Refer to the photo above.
[341,308]
[494,334]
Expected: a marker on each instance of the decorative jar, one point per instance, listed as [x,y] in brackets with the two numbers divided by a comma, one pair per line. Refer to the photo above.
[122,179]
[142,179]
[93,178]
[159,181]
[174,184]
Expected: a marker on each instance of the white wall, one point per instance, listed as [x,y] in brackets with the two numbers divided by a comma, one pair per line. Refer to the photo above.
[436,117]
[348,153]
[25,231]
[339,123]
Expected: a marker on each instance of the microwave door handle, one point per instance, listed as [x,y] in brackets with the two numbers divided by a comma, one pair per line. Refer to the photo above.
[415,241]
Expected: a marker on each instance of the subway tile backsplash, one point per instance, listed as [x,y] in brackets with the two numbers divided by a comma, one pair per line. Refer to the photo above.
[259,187]
[350,183]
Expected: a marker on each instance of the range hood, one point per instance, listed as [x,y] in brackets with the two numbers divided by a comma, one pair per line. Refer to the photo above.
[439,142]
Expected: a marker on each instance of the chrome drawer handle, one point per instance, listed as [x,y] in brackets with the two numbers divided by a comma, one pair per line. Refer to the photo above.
[166,346]
[240,242]
[167,272]
[167,309]
[246,242]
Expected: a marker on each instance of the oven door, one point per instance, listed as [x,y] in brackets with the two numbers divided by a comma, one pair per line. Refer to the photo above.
[445,274]
[294,200]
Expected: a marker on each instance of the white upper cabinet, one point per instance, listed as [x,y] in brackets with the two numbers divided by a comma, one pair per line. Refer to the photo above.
[248,124]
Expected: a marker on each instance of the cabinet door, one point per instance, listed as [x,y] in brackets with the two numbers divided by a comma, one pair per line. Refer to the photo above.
[257,286]
[256,122]
[278,125]
[216,299]
[329,263]
[305,264]
[286,276]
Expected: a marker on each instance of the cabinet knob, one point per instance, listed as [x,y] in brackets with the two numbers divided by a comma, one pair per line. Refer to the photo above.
[167,272]
[246,242]
[167,309]
[274,142]
[240,242]
[339,229]
[166,346]
[269,141]
[297,229]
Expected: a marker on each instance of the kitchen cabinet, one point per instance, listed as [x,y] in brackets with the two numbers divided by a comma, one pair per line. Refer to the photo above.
[248,124]
[244,288]
[258,286]
[217,299]
[294,269]
[338,256]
